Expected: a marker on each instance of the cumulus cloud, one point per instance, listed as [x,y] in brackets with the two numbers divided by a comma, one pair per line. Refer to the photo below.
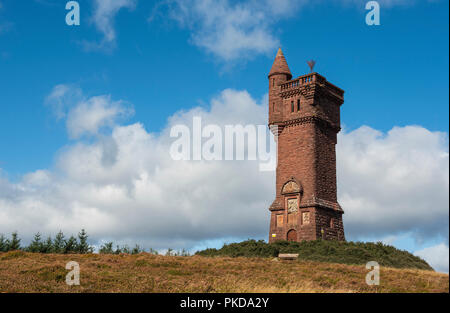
[394,182]
[436,256]
[230,29]
[62,98]
[86,116]
[124,185]
[97,112]
[103,19]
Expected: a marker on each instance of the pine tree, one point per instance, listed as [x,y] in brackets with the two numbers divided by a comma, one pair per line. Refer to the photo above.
[83,246]
[59,243]
[36,244]
[3,243]
[106,248]
[14,244]
[47,247]
[71,245]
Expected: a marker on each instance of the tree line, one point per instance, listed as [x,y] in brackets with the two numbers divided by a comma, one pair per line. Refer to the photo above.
[62,245]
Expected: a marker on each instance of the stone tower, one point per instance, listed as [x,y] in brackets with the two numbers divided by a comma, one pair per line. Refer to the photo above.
[304,114]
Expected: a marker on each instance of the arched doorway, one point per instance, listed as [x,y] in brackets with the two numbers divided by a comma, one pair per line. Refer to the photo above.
[292,235]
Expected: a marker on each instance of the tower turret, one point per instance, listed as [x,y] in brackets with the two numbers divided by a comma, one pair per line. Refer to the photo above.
[278,75]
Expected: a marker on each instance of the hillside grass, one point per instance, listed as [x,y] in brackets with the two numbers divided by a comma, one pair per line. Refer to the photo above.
[144,272]
[357,253]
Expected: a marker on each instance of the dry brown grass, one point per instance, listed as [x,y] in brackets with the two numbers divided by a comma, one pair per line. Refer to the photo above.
[27,272]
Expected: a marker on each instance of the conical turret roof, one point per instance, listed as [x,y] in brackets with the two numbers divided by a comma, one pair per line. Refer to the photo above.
[280,65]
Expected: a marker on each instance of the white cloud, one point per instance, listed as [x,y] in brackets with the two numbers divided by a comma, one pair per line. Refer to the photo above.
[231,30]
[62,97]
[103,19]
[97,112]
[436,256]
[394,182]
[86,116]
[125,186]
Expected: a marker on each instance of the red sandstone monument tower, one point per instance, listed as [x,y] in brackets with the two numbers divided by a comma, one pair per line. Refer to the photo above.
[306,113]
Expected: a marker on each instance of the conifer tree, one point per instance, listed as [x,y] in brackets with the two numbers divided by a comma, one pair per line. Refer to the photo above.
[14,243]
[36,244]
[47,247]
[3,243]
[83,246]
[59,243]
[106,248]
[71,245]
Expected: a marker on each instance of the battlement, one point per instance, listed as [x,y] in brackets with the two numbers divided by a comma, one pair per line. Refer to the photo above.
[302,80]
[310,79]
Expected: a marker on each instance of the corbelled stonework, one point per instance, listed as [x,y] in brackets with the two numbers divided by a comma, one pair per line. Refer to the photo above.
[304,114]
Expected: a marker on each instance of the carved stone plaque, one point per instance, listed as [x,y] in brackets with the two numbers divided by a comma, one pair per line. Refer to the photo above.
[279,220]
[290,187]
[292,205]
[305,218]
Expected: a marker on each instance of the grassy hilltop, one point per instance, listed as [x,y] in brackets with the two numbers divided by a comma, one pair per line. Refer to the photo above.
[249,266]
[36,272]
[324,251]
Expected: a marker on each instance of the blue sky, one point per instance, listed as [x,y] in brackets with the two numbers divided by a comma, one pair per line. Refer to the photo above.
[393,74]
[164,58]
